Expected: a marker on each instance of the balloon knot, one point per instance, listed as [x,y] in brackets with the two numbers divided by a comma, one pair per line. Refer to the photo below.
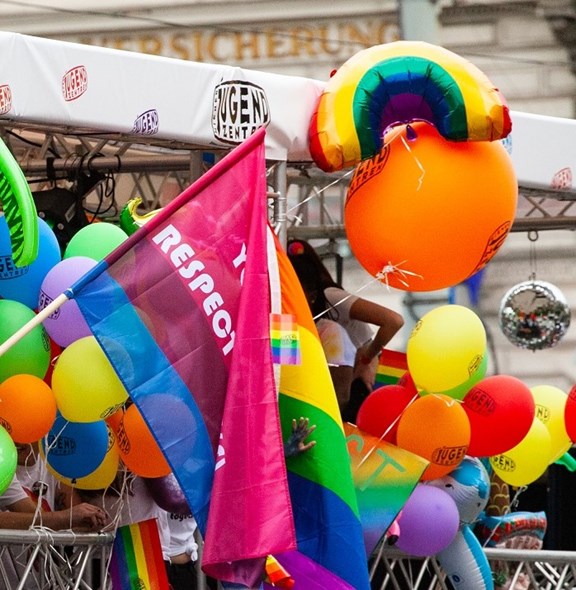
[395,269]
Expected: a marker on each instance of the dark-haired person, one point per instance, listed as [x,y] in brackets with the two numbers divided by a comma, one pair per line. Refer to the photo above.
[369,326]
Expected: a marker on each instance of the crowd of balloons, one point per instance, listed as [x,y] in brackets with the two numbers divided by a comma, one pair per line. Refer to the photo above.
[57,387]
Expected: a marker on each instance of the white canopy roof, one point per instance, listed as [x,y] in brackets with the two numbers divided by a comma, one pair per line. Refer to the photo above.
[85,89]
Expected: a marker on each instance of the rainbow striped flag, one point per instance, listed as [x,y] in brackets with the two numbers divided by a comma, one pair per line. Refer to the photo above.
[392,364]
[285,339]
[330,549]
[384,477]
[137,560]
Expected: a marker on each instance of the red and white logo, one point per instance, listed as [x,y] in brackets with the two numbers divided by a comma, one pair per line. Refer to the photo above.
[5,99]
[562,179]
[74,83]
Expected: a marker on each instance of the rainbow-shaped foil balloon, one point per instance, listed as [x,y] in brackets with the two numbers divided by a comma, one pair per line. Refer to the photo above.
[397,83]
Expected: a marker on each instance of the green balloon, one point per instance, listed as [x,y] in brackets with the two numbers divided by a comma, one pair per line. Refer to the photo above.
[95,241]
[8,459]
[31,354]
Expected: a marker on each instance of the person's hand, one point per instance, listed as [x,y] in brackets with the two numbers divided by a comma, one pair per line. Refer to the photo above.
[363,369]
[85,516]
[296,444]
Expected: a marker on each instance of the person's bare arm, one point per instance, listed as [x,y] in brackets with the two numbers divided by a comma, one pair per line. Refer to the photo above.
[389,324]
[22,515]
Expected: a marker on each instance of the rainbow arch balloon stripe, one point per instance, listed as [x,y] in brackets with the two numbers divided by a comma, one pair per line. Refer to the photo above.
[397,83]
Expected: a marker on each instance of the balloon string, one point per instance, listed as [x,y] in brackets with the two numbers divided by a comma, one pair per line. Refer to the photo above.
[385,433]
[417,161]
[390,268]
[318,192]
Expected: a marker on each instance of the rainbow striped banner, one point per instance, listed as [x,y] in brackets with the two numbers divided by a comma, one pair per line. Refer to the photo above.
[384,476]
[137,560]
[391,366]
[285,339]
[330,549]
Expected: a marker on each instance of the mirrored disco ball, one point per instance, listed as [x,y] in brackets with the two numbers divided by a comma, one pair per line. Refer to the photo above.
[534,315]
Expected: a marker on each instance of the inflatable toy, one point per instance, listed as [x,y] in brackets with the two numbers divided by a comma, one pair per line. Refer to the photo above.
[495,530]
[397,83]
[19,209]
[469,486]
[464,560]
[130,219]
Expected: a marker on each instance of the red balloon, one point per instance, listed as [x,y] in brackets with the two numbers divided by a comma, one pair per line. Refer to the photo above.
[501,410]
[570,414]
[407,382]
[381,410]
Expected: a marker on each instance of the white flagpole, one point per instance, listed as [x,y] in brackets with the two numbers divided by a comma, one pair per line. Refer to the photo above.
[35,321]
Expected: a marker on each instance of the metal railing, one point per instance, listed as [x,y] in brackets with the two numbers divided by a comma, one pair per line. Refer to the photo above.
[40,559]
[512,569]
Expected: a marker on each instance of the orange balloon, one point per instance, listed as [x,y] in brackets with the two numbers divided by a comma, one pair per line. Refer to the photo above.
[428,212]
[27,407]
[437,428]
[138,448]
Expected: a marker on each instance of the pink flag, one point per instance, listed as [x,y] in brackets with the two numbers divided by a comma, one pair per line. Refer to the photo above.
[182,310]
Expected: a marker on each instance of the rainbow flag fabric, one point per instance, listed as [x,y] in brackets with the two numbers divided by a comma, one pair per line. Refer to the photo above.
[384,477]
[137,560]
[285,339]
[392,364]
[330,549]
[182,311]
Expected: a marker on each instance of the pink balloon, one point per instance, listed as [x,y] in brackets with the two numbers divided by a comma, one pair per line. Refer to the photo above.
[501,411]
[429,521]
[67,324]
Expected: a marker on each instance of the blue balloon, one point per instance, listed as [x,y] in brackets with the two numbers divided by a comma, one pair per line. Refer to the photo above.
[23,284]
[75,449]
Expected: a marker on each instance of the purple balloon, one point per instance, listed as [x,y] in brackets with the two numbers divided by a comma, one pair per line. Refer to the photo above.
[428,523]
[66,324]
[168,494]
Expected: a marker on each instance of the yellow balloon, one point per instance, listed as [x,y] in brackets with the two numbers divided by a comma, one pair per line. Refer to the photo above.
[528,460]
[86,387]
[446,348]
[550,406]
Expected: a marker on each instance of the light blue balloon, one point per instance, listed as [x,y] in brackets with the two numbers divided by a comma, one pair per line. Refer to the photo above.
[23,284]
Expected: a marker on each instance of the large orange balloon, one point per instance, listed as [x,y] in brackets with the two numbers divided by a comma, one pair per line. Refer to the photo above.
[138,448]
[27,407]
[436,428]
[430,212]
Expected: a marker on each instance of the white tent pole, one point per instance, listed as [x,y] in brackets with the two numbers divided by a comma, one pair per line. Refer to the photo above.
[35,321]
